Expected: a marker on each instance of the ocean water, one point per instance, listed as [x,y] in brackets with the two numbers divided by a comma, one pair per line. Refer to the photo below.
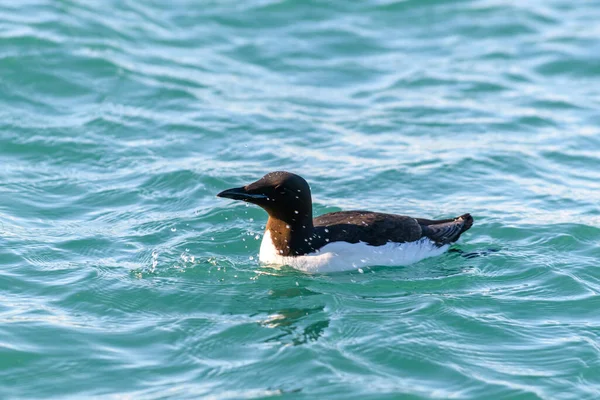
[123,276]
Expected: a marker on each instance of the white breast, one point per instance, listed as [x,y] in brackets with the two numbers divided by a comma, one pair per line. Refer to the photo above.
[344,256]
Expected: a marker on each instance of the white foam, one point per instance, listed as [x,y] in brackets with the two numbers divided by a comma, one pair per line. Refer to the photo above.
[344,256]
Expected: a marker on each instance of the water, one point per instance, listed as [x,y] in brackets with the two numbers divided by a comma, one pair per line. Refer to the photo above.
[124,277]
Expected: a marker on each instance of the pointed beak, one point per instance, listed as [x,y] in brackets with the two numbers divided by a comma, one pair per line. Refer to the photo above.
[241,194]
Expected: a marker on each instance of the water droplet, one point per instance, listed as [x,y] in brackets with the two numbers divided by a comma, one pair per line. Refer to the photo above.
[295,211]
[287,226]
[280,251]
[326,230]
[251,219]
[212,238]
[327,239]
[360,270]
[256,237]
[187,250]
[173,229]
[251,258]
[243,239]
[297,284]
[299,190]
[192,259]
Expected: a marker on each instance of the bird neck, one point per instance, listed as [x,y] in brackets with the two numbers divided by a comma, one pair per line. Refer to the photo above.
[291,236]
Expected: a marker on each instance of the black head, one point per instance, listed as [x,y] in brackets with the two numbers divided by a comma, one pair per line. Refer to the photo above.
[283,195]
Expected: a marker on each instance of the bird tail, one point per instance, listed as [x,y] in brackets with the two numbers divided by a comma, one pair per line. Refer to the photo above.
[446,231]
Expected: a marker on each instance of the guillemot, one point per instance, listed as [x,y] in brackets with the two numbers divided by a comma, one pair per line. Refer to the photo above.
[343,240]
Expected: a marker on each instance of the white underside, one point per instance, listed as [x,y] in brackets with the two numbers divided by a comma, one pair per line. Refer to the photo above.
[344,256]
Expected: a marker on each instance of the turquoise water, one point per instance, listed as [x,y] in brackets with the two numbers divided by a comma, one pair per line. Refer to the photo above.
[122,276]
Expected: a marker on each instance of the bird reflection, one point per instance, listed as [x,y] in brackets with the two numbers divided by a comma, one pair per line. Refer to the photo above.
[291,292]
[297,325]
[289,321]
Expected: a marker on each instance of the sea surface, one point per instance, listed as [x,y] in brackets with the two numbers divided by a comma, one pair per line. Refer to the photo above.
[122,276]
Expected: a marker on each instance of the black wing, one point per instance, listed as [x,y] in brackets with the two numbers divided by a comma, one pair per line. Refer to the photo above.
[446,231]
[373,228]
[378,229]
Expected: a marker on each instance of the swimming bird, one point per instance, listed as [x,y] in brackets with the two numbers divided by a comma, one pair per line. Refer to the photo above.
[339,241]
